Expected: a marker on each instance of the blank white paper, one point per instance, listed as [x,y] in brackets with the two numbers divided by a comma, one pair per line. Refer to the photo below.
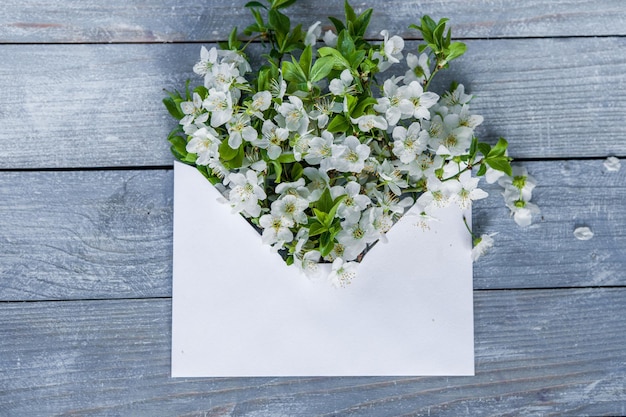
[239,310]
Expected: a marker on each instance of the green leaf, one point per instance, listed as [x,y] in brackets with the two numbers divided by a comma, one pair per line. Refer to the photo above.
[473,147]
[278,170]
[322,67]
[482,170]
[202,91]
[305,61]
[340,61]
[286,158]
[293,40]
[296,171]
[325,202]
[362,22]
[226,152]
[499,149]
[263,80]
[326,244]
[484,148]
[259,19]
[455,50]
[251,4]
[428,23]
[345,43]
[339,26]
[233,42]
[333,211]
[316,229]
[320,215]
[237,161]
[438,32]
[278,21]
[414,26]
[281,4]
[190,158]
[500,163]
[362,107]
[293,72]
[427,35]
[350,15]
[177,140]
[178,147]
[335,229]
[254,28]
[173,108]
[338,124]
[356,58]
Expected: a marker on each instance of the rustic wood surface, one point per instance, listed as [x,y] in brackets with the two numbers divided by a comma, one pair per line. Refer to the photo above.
[117,243]
[100,105]
[78,21]
[86,211]
[540,352]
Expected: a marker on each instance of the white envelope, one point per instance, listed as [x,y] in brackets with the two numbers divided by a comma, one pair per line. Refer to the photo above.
[239,310]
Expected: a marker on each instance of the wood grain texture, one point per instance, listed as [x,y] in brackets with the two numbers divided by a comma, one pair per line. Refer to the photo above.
[556,352]
[94,234]
[75,21]
[100,105]
[570,194]
[107,234]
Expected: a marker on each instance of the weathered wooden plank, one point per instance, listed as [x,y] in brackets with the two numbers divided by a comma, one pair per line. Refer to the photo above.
[37,21]
[570,194]
[85,234]
[100,105]
[107,234]
[537,353]
[88,105]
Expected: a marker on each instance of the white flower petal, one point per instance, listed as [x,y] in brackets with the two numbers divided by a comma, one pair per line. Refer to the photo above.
[612,164]
[583,233]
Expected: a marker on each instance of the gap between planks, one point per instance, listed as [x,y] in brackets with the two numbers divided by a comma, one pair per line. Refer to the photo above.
[484,290]
[368,39]
[171,167]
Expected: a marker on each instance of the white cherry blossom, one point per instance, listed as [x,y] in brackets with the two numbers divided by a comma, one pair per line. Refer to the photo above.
[342,273]
[482,246]
[194,113]
[409,143]
[220,104]
[205,143]
[369,122]
[421,100]
[419,69]
[354,202]
[246,192]
[295,117]
[312,34]
[208,58]
[239,129]
[355,237]
[350,156]
[276,229]
[261,101]
[342,85]
[291,206]
[275,137]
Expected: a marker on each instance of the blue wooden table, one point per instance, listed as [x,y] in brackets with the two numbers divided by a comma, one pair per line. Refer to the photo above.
[86,213]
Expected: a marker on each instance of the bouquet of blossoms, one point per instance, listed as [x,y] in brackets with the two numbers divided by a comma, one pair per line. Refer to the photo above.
[320,150]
